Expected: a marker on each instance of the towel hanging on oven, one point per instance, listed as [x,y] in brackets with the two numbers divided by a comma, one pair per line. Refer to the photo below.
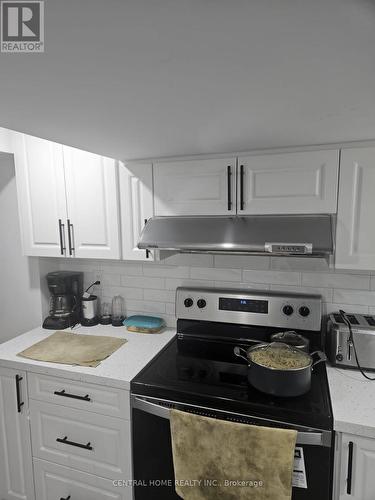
[215,458]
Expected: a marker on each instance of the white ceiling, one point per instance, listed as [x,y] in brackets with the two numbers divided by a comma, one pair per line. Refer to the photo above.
[149,78]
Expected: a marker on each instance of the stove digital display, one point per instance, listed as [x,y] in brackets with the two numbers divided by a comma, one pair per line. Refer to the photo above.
[244,305]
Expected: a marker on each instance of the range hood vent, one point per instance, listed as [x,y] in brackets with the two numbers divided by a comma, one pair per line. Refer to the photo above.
[302,235]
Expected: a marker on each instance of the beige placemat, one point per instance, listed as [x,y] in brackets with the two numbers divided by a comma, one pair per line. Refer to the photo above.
[73,349]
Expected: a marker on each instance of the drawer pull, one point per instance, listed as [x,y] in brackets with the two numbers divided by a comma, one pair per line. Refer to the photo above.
[18,393]
[73,396]
[65,440]
[67,498]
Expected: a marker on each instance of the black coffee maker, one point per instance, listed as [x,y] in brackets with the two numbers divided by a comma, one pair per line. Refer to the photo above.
[65,302]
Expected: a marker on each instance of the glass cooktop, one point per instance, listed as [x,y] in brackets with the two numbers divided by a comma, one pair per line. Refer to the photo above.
[186,372]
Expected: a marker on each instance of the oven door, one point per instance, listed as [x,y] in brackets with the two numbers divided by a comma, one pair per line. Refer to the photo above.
[152,450]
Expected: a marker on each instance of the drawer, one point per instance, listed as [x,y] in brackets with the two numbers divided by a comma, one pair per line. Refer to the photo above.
[92,443]
[55,482]
[80,395]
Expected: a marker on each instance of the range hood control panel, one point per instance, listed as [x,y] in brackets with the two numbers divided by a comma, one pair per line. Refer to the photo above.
[292,311]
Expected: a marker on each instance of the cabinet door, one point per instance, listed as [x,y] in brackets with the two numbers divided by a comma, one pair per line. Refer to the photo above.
[292,183]
[356,478]
[55,482]
[198,187]
[41,195]
[136,207]
[5,141]
[92,197]
[16,474]
[355,237]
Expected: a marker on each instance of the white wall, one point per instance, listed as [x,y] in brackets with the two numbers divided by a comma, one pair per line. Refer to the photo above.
[149,288]
[20,300]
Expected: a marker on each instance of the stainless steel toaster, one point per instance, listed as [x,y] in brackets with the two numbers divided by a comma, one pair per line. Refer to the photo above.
[340,349]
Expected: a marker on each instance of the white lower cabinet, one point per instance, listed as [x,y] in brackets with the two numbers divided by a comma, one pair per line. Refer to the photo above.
[68,439]
[16,473]
[93,443]
[54,482]
[355,468]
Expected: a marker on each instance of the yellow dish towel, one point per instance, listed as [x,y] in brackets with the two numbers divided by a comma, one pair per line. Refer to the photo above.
[73,349]
[208,452]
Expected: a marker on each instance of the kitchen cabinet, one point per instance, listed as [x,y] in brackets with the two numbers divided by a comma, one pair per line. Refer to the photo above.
[136,202]
[86,441]
[67,438]
[54,482]
[290,183]
[195,187]
[41,195]
[355,238]
[16,473]
[5,141]
[68,200]
[92,201]
[355,479]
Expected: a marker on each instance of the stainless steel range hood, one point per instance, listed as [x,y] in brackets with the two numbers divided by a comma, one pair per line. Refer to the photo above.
[309,235]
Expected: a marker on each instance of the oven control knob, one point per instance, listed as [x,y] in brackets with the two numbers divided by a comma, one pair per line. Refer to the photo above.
[304,311]
[288,310]
[188,302]
[201,303]
[339,357]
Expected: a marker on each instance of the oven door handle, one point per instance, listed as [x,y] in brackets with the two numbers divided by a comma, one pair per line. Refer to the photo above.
[303,438]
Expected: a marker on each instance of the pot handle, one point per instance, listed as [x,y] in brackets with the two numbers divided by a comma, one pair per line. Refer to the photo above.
[322,357]
[238,350]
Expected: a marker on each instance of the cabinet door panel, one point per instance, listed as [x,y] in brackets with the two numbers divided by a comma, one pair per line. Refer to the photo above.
[92,196]
[41,194]
[136,207]
[16,474]
[362,469]
[355,239]
[96,444]
[53,482]
[291,183]
[198,187]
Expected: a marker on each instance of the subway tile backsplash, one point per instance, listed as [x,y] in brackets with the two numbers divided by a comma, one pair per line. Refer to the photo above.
[149,287]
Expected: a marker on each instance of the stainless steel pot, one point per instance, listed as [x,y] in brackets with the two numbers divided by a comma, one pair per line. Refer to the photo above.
[293,339]
[287,382]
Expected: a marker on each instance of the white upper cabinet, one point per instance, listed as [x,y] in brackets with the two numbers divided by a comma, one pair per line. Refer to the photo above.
[290,183]
[195,187]
[16,469]
[41,195]
[136,202]
[92,198]
[68,200]
[5,141]
[355,236]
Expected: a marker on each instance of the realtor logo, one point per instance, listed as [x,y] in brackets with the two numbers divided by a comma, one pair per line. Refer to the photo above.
[22,26]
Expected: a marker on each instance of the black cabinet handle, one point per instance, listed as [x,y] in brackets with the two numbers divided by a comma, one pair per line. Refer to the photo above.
[229,175]
[18,392]
[147,250]
[350,469]
[242,173]
[67,498]
[72,396]
[70,238]
[65,440]
[61,229]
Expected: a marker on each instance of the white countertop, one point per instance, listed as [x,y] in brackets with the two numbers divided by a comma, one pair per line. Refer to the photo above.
[353,401]
[115,371]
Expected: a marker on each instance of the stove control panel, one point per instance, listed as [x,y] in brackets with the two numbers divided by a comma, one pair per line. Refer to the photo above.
[263,308]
